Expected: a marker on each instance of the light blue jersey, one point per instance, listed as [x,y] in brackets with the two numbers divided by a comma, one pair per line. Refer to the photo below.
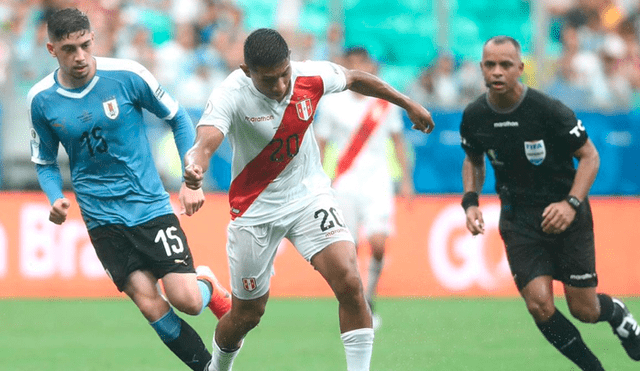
[101,127]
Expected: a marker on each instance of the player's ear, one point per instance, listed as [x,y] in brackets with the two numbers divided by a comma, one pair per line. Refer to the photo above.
[51,50]
[245,69]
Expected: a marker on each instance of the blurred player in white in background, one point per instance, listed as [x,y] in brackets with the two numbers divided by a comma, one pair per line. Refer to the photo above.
[360,127]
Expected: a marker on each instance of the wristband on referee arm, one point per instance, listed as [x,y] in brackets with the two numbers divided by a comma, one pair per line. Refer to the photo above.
[470,199]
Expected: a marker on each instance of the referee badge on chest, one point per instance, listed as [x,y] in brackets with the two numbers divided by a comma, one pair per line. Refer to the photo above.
[535,151]
[111,108]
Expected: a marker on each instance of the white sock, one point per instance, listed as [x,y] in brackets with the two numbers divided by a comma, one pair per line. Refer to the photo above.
[358,345]
[373,276]
[221,360]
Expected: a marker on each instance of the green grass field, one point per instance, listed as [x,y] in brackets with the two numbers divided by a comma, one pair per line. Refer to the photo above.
[296,335]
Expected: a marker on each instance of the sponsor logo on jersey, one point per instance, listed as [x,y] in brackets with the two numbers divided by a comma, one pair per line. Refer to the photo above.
[535,151]
[259,118]
[249,284]
[111,108]
[505,124]
[304,109]
[86,117]
[336,231]
[577,129]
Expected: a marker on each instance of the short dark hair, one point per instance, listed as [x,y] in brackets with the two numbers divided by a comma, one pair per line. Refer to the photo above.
[501,39]
[64,22]
[357,50]
[265,47]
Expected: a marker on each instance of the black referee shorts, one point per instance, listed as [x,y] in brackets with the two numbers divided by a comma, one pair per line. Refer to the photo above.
[568,257]
[159,246]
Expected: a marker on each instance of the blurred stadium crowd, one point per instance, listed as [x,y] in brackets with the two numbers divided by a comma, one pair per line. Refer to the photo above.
[591,48]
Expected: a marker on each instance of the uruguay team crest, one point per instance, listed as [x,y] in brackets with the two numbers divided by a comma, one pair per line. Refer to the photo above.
[535,151]
[304,109]
[111,108]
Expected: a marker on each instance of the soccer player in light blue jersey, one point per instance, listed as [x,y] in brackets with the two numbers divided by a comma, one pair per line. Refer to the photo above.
[93,106]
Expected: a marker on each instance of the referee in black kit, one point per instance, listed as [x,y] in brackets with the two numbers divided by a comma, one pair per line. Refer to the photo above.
[545,219]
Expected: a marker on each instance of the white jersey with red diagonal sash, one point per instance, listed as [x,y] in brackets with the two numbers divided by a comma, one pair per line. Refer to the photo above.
[360,128]
[276,162]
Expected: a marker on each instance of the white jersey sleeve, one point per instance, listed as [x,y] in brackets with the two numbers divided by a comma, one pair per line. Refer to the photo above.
[332,74]
[221,105]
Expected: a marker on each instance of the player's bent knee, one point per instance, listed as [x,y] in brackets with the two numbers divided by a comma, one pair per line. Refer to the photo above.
[246,319]
[152,308]
[586,314]
[190,306]
[186,301]
[540,311]
[349,288]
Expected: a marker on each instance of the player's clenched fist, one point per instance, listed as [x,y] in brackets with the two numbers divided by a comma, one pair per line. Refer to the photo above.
[59,210]
[421,118]
[193,176]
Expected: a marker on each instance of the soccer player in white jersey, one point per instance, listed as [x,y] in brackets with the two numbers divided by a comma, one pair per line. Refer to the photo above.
[279,189]
[93,106]
[360,127]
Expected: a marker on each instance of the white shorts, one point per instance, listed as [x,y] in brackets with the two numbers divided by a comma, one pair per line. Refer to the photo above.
[367,212]
[251,250]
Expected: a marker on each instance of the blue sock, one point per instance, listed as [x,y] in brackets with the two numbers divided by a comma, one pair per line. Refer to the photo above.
[182,340]
[205,291]
[168,326]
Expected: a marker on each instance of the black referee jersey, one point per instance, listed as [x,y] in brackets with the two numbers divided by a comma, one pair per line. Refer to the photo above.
[530,145]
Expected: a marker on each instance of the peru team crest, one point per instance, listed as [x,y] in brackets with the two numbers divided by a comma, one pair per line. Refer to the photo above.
[304,109]
[249,284]
[535,151]
[111,108]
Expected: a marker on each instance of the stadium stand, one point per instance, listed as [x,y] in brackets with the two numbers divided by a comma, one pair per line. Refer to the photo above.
[405,36]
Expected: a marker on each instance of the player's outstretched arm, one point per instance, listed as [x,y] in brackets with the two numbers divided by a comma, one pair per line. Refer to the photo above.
[196,161]
[371,85]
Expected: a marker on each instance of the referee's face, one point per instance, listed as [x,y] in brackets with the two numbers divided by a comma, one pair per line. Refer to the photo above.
[501,67]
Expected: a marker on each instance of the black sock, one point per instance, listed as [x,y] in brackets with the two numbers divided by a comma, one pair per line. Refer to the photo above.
[607,308]
[188,346]
[565,337]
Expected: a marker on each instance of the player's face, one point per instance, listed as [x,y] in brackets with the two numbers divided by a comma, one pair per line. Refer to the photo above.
[501,67]
[274,82]
[75,57]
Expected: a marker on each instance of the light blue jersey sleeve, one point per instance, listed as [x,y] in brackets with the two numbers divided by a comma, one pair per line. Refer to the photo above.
[44,147]
[50,180]
[154,99]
